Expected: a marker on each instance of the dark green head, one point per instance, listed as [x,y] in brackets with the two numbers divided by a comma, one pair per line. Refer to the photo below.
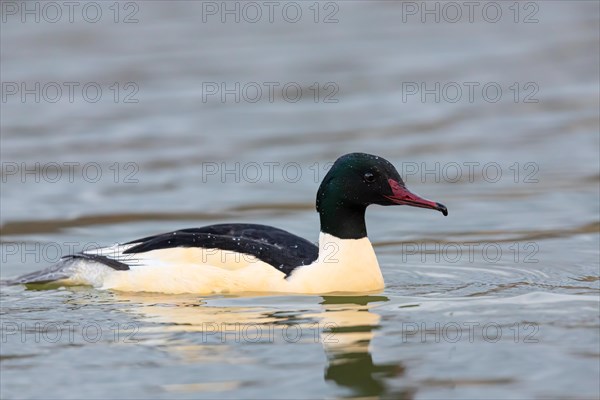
[354,182]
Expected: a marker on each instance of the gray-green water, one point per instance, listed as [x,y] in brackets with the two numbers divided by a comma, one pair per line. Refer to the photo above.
[498,300]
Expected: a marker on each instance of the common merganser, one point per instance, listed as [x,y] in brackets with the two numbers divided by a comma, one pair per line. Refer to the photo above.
[234,258]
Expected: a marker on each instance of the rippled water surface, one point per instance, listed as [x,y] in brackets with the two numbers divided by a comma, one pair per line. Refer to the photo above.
[498,300]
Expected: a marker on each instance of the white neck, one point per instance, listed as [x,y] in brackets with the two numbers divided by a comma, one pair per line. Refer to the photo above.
[344,265]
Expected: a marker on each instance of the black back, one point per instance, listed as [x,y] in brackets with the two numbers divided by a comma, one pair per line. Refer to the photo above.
[276,247]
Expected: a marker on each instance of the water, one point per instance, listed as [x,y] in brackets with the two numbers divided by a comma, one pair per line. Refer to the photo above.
[498,300]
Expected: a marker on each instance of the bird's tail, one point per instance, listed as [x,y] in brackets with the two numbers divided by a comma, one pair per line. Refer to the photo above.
[60,271]
[78,269]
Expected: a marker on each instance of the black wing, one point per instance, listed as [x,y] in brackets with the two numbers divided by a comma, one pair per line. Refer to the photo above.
[276,247]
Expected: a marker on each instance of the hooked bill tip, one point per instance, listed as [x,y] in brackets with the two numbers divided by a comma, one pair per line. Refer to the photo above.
[442,208]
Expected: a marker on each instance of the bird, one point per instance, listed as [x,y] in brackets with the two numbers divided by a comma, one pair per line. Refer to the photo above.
[242,257]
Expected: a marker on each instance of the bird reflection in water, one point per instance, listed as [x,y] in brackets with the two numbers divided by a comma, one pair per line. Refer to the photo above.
[350,362]
[347,325]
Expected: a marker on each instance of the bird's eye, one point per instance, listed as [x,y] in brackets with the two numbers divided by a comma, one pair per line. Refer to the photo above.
[369,177]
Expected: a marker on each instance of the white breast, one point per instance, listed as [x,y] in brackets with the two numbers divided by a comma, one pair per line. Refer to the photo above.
[344,265]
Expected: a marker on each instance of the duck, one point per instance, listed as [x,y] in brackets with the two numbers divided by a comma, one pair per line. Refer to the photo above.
[243,257]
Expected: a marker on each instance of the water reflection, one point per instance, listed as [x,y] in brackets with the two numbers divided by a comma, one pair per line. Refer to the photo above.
[350,362]
[201,330]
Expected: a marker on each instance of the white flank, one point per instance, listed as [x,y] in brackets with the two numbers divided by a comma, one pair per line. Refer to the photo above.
[347,265]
